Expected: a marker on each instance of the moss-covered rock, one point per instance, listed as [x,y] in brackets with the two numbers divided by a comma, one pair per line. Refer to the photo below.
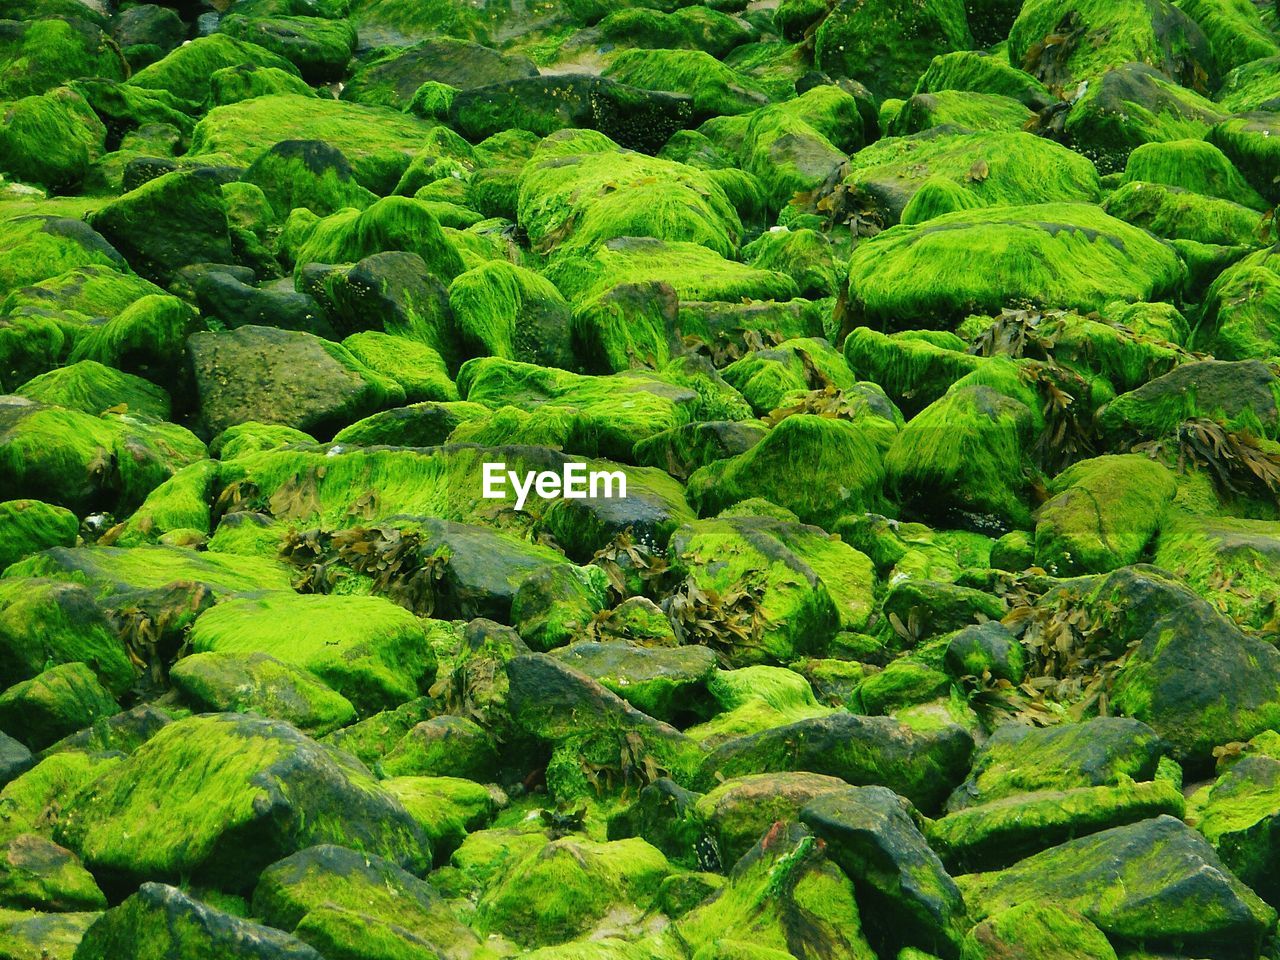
[668,683]
[379,143]
[1016,168]
[1236,813]
[38,874]
[417,368]
[57,702]
[818,467]
[1157,881]
[187,70]
[1238,322]
[1249,141]
[318,47]
[241,777]
[503,310]
[31,526]
[887,49]
[158,921]
[51,139]
[307,173]
[1102,515]
[40,246]
[1192,165]
[56,934]
[42,52]
[574,201]
[347,902]
[1037,931]
[713,88]
[1108,35]
[1026,255]
[268,375]
[565,888]
[1240,394]
[981,72]
[259,683]
[366,648]
[1182,215]
[965,110]
[91,388]
[85,462]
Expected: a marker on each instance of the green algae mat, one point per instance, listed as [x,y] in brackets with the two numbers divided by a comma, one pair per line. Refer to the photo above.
[639,480]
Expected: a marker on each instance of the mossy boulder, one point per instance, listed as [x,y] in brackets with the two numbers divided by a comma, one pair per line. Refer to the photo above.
[965,110]
[503,310]
[268,375]
[50,139]
[1227,561]
[681,450]
[714,89]
[417,368]
[444,746]
[142,339]
[348,902]
[921,765]
[84,462]
[43,622]
[562,890]
[392,80]
[887,49]
[1157,881]
[91,388]
[574,201]
[1037,931]
[158,921]
[783,888]
[770,377]
[41,52]
[997,834]
[1238,322]
[1102,515]
[1238,394]
[1193,165]
[1014,168]
[1249,141]
[259,683]
[819,468]
[738,812]
[668,683]
[1058,255]
[31,526]
[634,118]
[379,143]
[185,72]
[805,585]
[242,777]
[1109,35]
[1131,105]
[320,48]
[1237,812]
[57,702]
[38,874]
[981,72]
[307,173]
[366,648]
[1182,215]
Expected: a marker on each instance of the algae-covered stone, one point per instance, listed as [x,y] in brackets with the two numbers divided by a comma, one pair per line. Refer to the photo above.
[555,603]
[307,173]
[367,648]
[91,388]
[1053,255]
[161,921]
[993,835]
[241,777]
[1037,931]
[665,682]
[804,585]
[370,739]
[713,88]
[168,222]
[1239,394]
[142,339]
[318,47]
[1020,168]
[918,764]
[261,684]
[1182,215]
[986,648]
[350,902]
[887,49]
[502,310]
[1237,814]
[38,874]
[1104,751]
[1103,514]
[30,526]
[43,622]
[31,802]
[1157,881]
[784,898]
[873,836]
[443,747]
[575,201]
[1131,105]
[50,139]
[448,808]
[1192,165]
[740,811]
[283,376]
[819,468]
[56,935]
[565,888]
[59,701]
[416,367]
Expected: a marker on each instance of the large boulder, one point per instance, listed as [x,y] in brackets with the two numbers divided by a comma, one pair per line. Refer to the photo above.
[220,796]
